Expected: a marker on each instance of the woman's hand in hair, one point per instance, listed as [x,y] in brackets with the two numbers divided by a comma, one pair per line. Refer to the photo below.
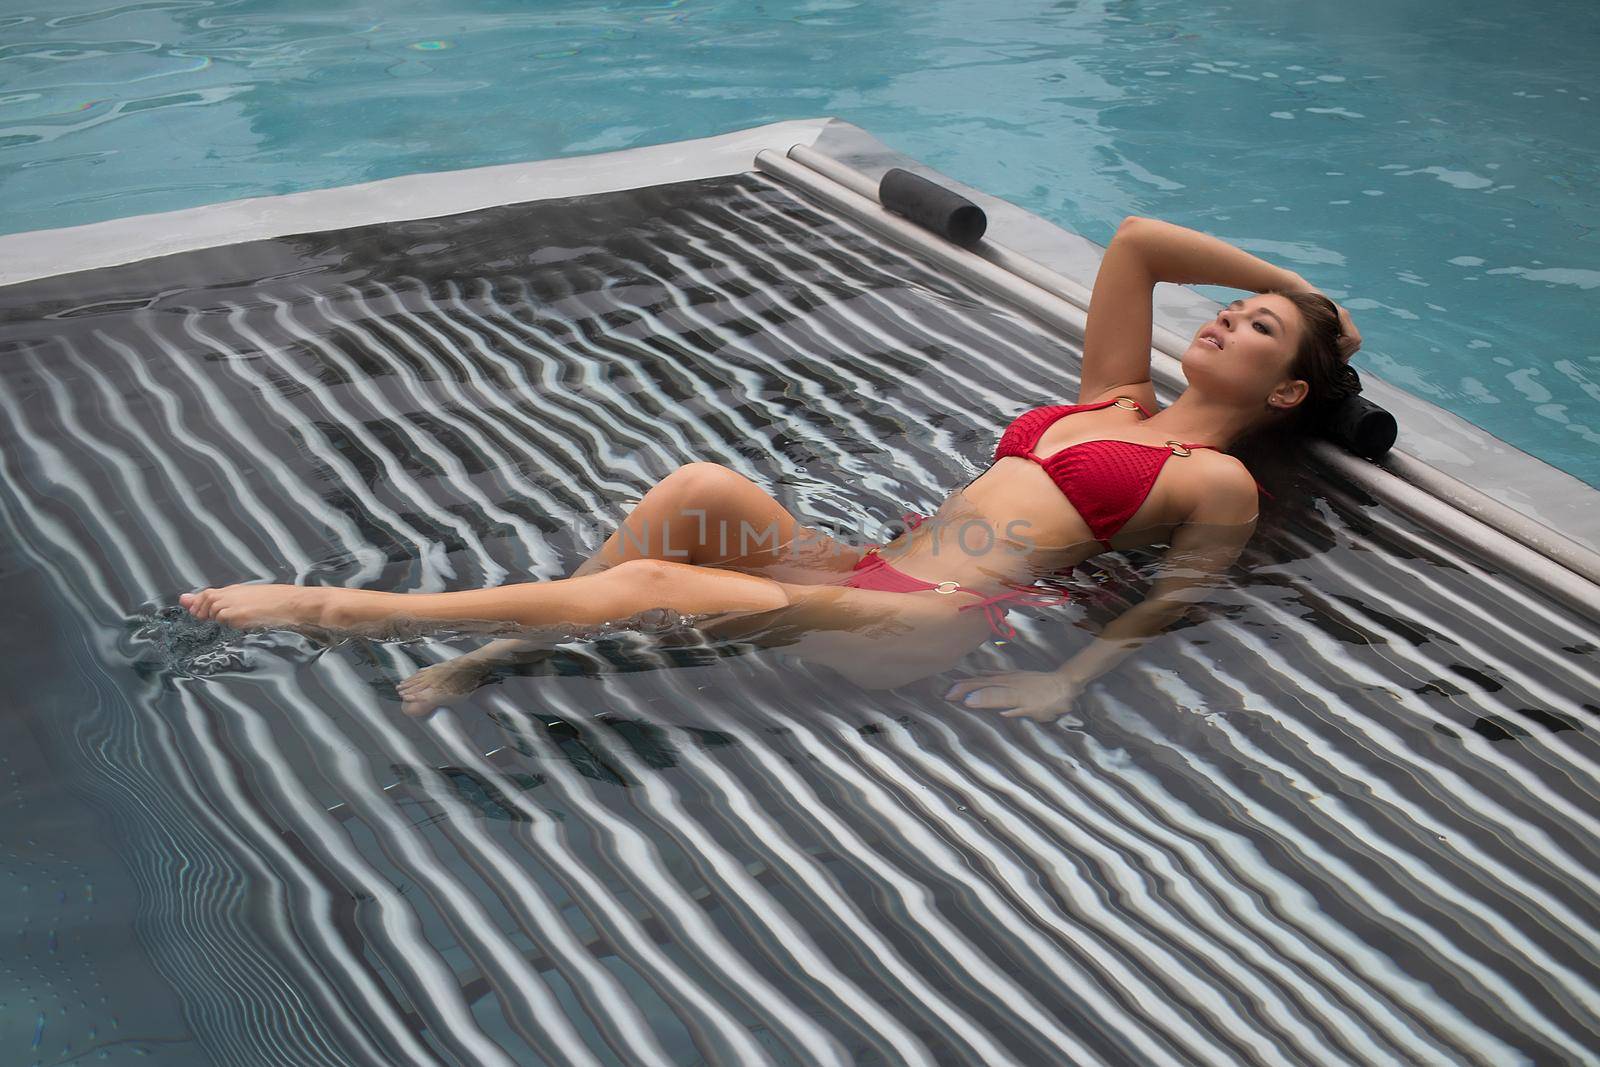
[1349,336]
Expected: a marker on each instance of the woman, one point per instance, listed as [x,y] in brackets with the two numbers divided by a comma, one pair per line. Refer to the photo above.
[1067,483]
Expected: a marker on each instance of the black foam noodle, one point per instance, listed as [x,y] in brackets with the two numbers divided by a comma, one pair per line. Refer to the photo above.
[1361,426]
[933,207]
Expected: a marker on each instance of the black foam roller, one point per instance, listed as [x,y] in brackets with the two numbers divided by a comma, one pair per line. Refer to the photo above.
[932,207]
[1362,427]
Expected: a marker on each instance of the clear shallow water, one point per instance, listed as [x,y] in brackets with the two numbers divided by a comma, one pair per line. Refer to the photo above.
[1344,816]
[1431,164]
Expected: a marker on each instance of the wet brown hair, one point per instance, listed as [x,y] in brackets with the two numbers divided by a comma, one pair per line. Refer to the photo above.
[1317,362]
[1273,450]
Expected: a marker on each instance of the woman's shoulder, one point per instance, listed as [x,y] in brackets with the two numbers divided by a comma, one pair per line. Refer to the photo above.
[1229,493]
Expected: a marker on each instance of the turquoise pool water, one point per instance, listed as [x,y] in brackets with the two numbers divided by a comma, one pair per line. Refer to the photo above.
[1432,164]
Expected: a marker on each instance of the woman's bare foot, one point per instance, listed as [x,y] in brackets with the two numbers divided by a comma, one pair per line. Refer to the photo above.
[441,684]
[248,607]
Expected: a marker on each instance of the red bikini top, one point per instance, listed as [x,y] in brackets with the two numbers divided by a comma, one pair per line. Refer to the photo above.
[1106,481]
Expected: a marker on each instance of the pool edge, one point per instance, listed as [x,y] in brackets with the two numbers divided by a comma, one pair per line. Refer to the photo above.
[37,254]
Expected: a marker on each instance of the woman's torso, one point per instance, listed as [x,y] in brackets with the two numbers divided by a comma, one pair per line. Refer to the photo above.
[1015,522]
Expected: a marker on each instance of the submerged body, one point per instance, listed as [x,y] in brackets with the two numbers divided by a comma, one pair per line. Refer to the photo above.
[1066,483]
[1052,499]
[815,595]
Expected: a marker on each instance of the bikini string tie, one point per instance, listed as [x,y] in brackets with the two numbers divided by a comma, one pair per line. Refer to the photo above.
[1001,626]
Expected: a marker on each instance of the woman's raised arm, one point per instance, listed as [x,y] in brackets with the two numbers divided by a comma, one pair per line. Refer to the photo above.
[1116,342]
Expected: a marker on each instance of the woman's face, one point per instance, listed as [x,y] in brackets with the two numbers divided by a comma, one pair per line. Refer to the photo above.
[1244,353]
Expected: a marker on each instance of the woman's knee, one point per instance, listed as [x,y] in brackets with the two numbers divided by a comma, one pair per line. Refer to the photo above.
[642,573]
[694,590]
[703,478]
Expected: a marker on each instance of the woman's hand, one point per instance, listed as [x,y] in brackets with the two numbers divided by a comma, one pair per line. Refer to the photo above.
[1040,695]
[1349,336]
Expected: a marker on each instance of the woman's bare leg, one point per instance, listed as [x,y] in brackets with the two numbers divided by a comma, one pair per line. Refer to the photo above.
[876,639]
[621,592]
[703,514]
[709,515]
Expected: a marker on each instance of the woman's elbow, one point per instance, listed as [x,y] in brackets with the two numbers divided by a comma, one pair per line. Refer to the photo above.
[1132,230]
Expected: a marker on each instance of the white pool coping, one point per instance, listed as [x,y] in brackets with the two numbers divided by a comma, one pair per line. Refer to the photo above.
[1564,503]
[45,253]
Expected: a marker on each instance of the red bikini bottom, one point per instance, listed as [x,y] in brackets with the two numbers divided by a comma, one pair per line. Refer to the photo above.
[872,571]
